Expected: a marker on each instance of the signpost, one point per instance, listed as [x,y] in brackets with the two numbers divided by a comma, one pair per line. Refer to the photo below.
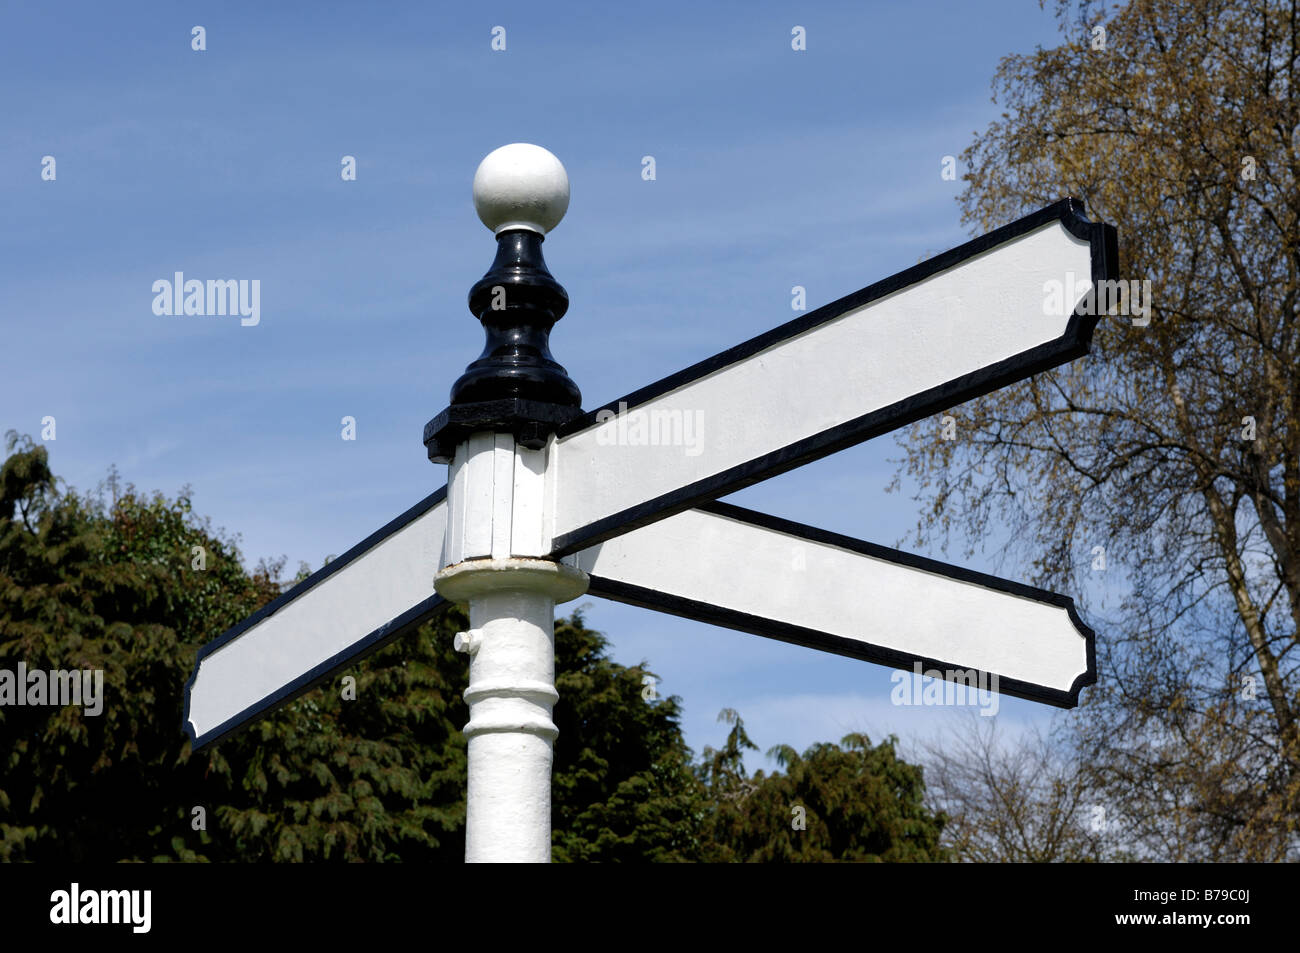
[927,339]
[745,570]
[376,591]
[544,502]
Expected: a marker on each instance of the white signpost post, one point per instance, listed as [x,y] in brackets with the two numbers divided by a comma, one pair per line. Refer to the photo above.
[544,502]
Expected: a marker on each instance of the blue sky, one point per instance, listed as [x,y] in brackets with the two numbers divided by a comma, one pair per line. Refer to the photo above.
[775,168]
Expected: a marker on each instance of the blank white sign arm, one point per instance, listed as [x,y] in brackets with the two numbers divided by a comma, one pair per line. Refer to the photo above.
[943,332]
[756,573]
[359,602]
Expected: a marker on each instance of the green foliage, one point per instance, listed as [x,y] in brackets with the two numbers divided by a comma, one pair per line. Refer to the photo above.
[86,584]
[375,777]
[623,787]
[846,802]
[113,581]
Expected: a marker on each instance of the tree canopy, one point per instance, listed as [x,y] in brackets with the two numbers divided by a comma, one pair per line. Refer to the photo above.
[133,584]
[1158,479]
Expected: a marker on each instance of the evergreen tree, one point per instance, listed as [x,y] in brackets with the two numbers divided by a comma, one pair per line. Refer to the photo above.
[846,802]
[133,585]
[112,581]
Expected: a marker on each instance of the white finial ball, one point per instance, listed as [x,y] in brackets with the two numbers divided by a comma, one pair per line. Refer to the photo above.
[521,186]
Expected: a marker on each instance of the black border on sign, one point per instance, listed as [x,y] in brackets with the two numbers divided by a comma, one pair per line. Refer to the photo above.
[410,619]
[838,645]
[1103,242]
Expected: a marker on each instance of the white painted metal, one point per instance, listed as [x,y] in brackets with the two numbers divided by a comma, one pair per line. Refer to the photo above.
[496,494]
[527,519]
[521,186]
[736,565]
[511,695]
[512,598]
[985,310]
[505,504]
[374,588]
